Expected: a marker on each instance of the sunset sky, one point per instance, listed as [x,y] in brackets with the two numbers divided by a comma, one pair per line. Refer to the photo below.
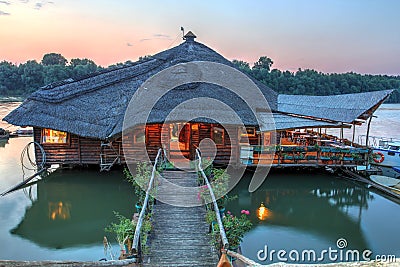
[326,35]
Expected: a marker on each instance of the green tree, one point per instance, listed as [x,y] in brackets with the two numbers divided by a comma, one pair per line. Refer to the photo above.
[263,62]
[53,59]
[32,75]
[55,73]
[81,67]
[10,81]
[242,65]
[145,58]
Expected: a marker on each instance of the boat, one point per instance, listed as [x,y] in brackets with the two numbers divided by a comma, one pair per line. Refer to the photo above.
[390,183]
[22,132]
[396,169]
[4,135]
[386,154]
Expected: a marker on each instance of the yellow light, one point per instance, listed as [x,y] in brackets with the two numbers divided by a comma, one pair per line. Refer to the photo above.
[59,211]
[263,213]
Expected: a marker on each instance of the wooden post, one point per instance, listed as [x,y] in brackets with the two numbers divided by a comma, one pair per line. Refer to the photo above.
[369,126]
[354,133]
[341,133]
[79,150]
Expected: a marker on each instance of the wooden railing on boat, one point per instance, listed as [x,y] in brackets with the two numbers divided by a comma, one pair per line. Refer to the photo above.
[284,155]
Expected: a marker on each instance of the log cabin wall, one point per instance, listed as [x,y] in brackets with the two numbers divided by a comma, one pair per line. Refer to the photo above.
[78,150]
[223,150]
[86,151]
[134,149]
[157,135]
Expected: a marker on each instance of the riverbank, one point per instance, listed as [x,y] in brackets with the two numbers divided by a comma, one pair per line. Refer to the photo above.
[5,99]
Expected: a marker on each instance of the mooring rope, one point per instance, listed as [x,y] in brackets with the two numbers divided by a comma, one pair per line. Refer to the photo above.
[34,166]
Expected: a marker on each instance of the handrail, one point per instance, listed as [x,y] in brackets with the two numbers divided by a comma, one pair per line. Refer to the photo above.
[225,243]
[375,139]
[243,259]
[136,237]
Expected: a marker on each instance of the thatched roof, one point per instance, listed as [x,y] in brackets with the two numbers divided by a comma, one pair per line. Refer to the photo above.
[95,106]
[285,122]
[340,108]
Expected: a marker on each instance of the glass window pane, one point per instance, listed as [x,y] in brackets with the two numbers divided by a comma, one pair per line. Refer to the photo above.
[50,136]
[218,135]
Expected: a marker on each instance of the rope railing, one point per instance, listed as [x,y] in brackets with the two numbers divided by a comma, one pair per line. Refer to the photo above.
[225,243]
[136,237]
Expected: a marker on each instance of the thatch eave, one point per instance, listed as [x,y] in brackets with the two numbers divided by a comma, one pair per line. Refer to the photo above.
[347,108]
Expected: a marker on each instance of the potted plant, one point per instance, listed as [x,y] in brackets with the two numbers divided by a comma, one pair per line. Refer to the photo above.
[235,228]
[124,231]
[145,231]
[139,182]
[211,217]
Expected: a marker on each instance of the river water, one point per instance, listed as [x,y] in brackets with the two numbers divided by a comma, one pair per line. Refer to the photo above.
[63,216]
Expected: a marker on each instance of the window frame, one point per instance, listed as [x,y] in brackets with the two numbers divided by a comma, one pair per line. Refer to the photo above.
[138,131]
[220,129]
[42,135]
[248,131]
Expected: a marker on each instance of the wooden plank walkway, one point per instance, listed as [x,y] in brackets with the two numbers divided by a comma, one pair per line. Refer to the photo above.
[180,234]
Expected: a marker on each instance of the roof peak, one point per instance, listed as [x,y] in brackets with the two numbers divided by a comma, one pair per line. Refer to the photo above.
[189,37]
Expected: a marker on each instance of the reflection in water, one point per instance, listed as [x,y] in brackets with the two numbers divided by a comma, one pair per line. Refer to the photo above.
[305,211]
[263,213]
[73,207]
[3,142]
[59,211]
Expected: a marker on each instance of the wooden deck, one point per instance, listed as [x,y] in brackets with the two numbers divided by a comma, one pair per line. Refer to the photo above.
[179,236]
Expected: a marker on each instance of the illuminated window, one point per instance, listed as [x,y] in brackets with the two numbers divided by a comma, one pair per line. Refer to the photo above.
[218,135]
[50,136]
[248,131]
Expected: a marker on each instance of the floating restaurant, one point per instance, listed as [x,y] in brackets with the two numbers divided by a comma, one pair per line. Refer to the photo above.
[80,122]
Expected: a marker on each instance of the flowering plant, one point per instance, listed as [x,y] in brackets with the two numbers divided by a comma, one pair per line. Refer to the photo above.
[235,229]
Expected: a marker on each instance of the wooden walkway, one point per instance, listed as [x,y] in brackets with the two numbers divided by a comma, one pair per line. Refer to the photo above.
[180,234]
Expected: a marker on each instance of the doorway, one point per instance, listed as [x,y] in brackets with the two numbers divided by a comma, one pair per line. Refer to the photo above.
[180,140]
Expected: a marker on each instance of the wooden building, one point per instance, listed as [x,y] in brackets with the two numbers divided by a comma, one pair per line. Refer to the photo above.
[80,122]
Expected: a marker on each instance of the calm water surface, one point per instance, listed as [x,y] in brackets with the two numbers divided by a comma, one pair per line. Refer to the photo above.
[305,210]
[312,211]
[61,217]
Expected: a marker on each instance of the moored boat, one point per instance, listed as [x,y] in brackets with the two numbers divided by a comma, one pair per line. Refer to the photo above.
[387,154]
[4,135]
[22,132]
[391,183]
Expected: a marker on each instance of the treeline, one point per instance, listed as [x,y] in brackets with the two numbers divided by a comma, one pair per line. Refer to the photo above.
[23,79]
[311,82]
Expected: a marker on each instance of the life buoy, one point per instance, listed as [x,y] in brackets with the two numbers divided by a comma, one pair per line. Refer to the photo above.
[378,157]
